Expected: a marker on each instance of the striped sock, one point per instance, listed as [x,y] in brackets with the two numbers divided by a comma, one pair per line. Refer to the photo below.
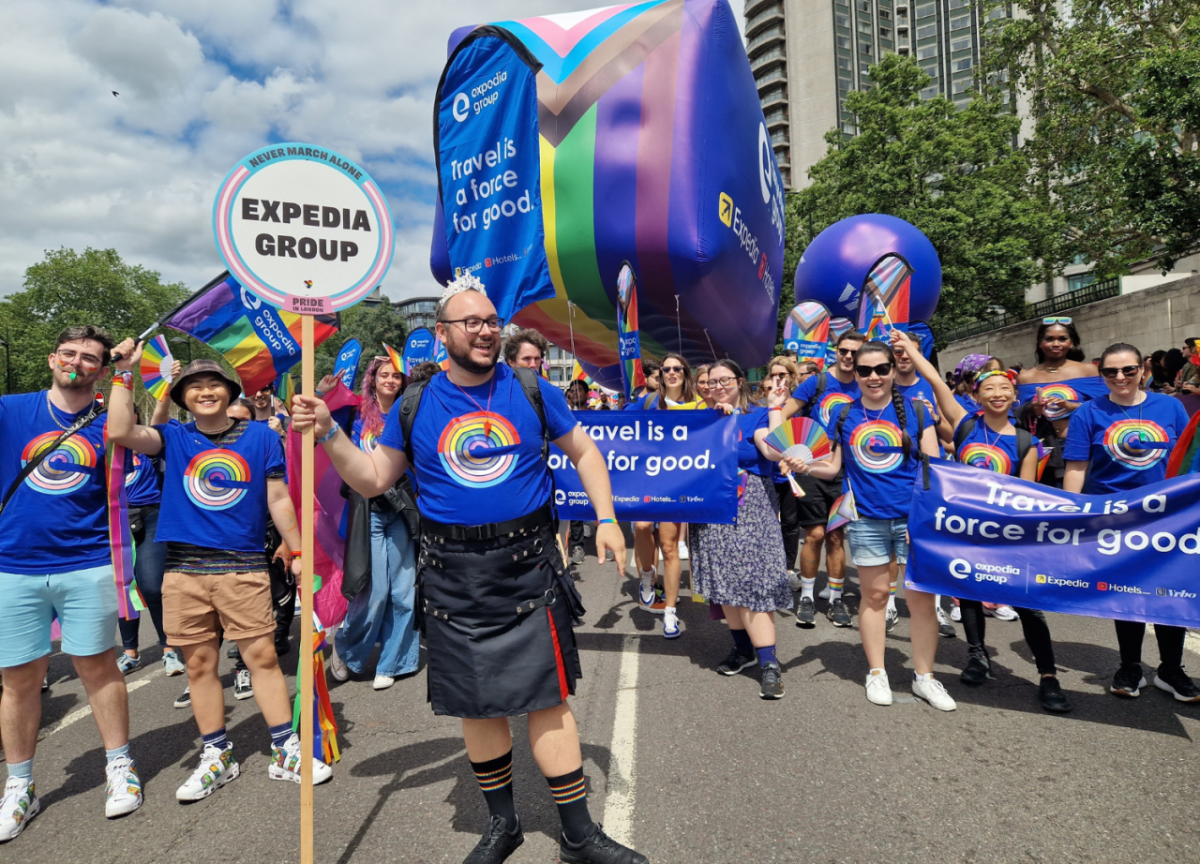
[835,588]
[495,782]
[891,604]
[217,739]
[570,794]
[280,734]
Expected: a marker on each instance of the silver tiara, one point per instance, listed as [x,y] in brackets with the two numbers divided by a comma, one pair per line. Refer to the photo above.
[465,282]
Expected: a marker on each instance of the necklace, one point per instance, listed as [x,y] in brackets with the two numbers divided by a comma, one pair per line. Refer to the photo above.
[53,414]
[487,422]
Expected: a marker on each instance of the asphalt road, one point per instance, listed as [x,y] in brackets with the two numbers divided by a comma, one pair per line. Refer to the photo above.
[691,766]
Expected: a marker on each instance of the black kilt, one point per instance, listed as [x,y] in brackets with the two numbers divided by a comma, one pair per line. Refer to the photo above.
[496,617]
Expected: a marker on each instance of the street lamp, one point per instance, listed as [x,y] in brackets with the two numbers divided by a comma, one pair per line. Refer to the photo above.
[183,340]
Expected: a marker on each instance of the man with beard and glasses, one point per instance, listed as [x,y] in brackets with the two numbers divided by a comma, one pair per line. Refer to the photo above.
[498,603]
[55,558]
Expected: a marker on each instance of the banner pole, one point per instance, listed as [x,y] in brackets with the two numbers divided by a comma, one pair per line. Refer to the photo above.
[305,665]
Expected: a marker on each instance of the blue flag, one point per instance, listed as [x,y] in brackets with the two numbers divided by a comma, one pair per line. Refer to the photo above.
[346,366]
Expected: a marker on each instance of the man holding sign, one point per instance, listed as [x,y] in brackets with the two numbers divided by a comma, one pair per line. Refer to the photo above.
[498,604]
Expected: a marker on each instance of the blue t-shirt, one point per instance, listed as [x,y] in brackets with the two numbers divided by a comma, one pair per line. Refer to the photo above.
[143,485]
[216,497]
[835,395]
[749,457]
[984,449]
[1073,390]
[920,389]
[969,404]
[57,520]
[876,470]
[476,466]
[366,443]
[1107,436]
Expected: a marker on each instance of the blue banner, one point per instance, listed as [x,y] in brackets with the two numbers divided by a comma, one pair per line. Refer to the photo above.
[346,366]
[489,170]
[418,348]
[665,466]
[987,536]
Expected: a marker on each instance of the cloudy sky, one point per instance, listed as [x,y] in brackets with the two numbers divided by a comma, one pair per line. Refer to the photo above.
[202,83]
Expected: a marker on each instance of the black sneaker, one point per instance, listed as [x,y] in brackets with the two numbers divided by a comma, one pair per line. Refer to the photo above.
[1052,697]
[577,555]
[772,682]
[242,687]
[838,614]
[979,668]
[232,652]
[806,613]
[598,848]
[497,842]
[1128,682]
[186,699]
[1178,684]
[736,662]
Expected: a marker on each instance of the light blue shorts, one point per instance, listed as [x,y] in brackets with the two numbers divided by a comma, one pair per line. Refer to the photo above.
[85,602]
[875,541]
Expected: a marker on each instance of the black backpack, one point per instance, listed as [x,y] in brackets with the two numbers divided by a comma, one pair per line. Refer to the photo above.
[822,384]
[967,426]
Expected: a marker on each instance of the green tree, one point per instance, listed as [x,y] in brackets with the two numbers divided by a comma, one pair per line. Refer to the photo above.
[953,173]
[371,326]
[1115,105]
[70,288]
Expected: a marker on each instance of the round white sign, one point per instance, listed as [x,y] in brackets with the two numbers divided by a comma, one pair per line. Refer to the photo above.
[303,228]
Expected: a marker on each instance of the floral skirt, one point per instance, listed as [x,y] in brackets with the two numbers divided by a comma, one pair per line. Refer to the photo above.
[744,564]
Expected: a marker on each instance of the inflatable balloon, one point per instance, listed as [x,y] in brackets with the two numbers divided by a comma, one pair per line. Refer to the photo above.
[569,143]
[835,264]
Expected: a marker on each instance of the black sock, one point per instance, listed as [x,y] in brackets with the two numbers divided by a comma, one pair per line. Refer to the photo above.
[495,782]
[742,640]
[570,794]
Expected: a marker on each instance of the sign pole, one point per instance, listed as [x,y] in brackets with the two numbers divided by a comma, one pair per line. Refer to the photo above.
[304,674]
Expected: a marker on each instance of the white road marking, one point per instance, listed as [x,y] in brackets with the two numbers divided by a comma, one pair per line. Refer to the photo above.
[78,714]
[618,804]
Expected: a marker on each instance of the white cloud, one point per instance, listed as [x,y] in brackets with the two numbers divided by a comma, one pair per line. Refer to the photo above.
[201,84]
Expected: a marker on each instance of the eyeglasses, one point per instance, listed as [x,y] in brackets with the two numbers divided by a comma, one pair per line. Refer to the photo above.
[1113,371]
[722,382]
[1056,320]
[672,370]
[88,361]
[474,325]
[880,370]
[847,352]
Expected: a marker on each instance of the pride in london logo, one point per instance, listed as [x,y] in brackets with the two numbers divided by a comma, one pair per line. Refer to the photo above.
[477,449]
[64,470]
[216,479]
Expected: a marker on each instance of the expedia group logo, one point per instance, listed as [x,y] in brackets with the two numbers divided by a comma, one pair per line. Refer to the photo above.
[462,107]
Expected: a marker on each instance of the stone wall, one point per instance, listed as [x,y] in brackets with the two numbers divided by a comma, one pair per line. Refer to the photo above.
[1160,317]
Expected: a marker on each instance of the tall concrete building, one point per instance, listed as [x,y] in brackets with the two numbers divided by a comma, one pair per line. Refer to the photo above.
[806,56]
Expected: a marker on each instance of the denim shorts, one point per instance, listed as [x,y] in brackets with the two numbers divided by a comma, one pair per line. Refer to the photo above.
[875,541]
[85,602]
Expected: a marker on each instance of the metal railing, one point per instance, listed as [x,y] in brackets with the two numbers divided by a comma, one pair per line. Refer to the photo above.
[1042,309]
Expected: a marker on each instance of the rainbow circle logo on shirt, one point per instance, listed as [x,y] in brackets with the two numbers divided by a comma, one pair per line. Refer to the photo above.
[132,476]
[466,444]
[216,479]
[1059,391]
[368,441]
[989,457]
[866,442]
[1122,440]
[64,470]
[831,403]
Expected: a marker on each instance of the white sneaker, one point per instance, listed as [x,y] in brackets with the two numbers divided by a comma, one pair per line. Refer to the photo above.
[931,690]
[671,625]
[955,613]
[683,551]
[646,588]
[383,682]
[879,691]
[945,628]
[243,688]
[891,618]
[794,580]
[217,767]
[338,667]
[1004,613]
[19,805]
[285,763]
[123,791]
[823,594]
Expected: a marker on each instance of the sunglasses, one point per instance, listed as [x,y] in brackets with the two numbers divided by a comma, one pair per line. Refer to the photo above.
[880,370]
[1113,371]
[847,352]
[672,370]
[1056,320]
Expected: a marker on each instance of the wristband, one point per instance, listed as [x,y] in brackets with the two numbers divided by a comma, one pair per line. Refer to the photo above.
[606,521]
[123,379]
[297,554]
[328,436]
[780,408]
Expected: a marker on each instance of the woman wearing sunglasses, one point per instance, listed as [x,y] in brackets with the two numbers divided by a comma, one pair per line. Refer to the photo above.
[1061,381]
[989,440]
[1101,461]
[880,437]
[676,391]
[785,372]
[740,566]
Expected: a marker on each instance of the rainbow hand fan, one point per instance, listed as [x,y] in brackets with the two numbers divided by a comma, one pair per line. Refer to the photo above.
[801,438]
[156,367]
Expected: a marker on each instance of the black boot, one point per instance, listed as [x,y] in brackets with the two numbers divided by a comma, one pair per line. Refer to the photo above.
[979,668]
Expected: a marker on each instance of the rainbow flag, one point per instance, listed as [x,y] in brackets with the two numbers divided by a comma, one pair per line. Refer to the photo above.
[440,355]
[885,296]
[397,360]
[285,389]
[258,340]
[629,346]
[129,599]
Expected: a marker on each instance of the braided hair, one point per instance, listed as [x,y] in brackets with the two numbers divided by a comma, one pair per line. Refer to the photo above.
[874,347]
